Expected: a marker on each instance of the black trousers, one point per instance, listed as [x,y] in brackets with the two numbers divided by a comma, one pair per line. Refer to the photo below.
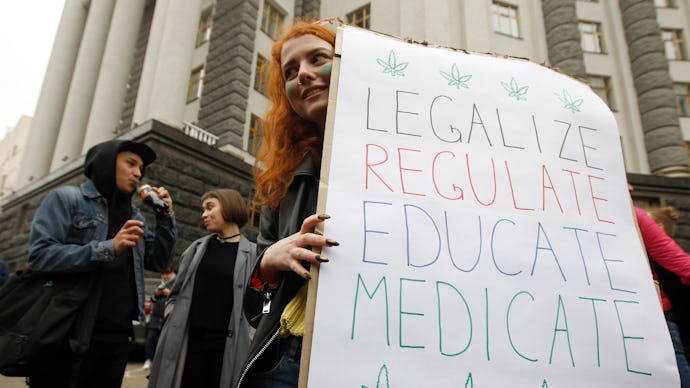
[204,360]
[103,366]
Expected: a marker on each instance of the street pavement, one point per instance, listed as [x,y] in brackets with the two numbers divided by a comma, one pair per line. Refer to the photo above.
[135,377]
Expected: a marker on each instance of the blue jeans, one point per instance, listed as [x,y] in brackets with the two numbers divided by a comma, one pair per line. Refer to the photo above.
[286,373]
[681,360]
[152,335]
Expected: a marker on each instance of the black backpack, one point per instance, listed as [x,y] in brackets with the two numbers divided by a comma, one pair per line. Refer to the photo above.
[40,310]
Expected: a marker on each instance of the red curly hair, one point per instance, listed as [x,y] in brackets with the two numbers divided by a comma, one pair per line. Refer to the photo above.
[287,138]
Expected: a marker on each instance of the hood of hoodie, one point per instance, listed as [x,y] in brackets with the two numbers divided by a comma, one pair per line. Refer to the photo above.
[101,159]
[100,167]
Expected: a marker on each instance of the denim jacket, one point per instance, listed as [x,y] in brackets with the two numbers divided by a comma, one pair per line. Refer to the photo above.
[69,230]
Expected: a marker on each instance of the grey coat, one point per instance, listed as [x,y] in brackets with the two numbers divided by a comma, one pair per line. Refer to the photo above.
[168,363]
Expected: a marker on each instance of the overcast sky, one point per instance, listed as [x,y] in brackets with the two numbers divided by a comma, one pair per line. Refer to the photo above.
[27,32]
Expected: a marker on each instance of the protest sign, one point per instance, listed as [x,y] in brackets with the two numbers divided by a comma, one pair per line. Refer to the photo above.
[485,228]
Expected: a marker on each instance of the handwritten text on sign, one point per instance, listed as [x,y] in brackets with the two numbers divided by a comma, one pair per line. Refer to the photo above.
[485,227]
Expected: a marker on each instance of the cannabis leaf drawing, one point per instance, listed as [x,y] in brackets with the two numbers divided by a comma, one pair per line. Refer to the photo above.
[455,78]
[392,66]
[568,102]
[382,371]
[518,92]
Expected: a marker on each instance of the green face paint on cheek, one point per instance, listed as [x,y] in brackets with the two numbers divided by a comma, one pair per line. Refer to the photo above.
[289,88]
[326,69]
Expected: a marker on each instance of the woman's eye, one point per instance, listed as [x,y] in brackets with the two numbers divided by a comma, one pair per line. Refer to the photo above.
[290,73]
[319,57]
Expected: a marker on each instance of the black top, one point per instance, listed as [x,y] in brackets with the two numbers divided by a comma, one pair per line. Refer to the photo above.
[118,305]
[118,301]
[212,298]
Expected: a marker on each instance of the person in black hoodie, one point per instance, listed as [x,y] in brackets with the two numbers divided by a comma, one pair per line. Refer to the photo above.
[95,228]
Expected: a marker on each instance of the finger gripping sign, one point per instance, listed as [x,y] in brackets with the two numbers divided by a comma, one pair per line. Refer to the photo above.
[486,232]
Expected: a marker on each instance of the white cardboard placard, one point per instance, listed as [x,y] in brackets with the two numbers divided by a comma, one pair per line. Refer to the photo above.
[485,228]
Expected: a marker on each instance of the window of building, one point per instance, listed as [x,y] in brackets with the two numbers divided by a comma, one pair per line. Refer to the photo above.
[601,85]
[591,37]
[361,17]
[203,33]
[682,98]
[664,3]
[673,43]
[196,83]
[261,76]
[506,19]
[272,21]
[255,131]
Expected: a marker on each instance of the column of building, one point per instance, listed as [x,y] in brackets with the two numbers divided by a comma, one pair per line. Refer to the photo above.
[563,36]
[45,126]
[655,96]
[81,90]
[228,70]
[111,86]
[167,64]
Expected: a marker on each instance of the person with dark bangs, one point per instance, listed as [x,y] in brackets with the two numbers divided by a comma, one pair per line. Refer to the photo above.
[205,336]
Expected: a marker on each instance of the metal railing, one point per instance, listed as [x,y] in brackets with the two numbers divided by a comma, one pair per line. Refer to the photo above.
[197,133]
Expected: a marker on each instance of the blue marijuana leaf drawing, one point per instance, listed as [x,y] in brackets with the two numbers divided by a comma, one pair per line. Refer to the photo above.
[392,66]
[455,78]
[568,102]
[514,90]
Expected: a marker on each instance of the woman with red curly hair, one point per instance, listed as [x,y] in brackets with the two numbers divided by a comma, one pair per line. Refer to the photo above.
[286,177]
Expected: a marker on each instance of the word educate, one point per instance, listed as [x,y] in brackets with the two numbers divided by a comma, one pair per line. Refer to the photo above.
[410,226]
[501,317]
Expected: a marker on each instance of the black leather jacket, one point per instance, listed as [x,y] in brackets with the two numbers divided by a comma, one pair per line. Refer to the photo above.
[298,204]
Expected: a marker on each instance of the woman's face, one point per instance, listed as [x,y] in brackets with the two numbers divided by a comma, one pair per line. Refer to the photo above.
[306,63]
[213,215]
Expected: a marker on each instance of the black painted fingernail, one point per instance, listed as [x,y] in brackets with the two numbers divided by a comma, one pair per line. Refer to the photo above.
[321,259]
[307,276]
[324,216]
[331,242]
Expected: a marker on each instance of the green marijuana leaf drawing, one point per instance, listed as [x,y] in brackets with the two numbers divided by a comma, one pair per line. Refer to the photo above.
[455,78]
[518,92]
[392,66]
[568,102]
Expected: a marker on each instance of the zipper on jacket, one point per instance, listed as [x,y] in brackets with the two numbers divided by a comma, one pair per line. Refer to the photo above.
[256,357]
[267,303]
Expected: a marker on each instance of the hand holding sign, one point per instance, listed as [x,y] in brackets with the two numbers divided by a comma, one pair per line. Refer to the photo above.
[288,254]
